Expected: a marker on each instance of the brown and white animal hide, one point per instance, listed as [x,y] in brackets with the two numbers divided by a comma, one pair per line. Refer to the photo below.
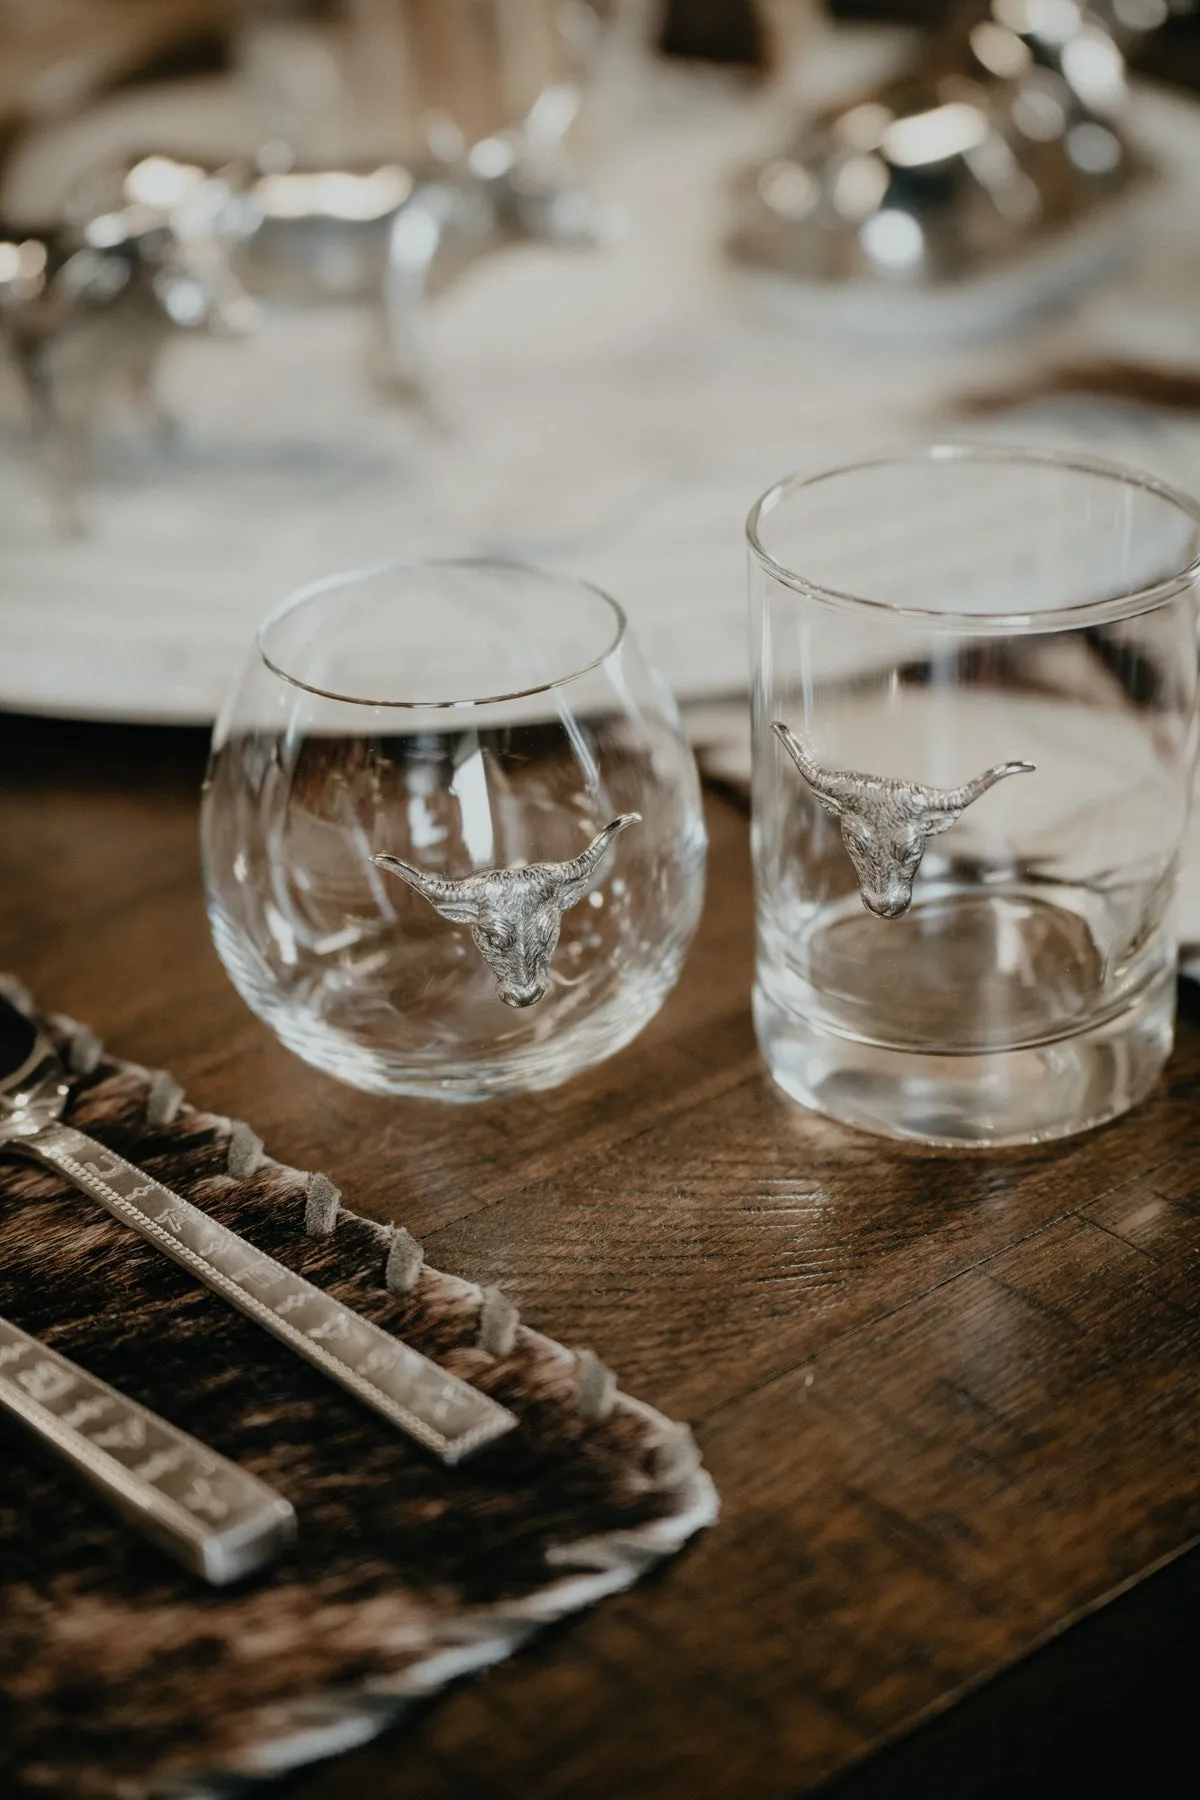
[122,1677]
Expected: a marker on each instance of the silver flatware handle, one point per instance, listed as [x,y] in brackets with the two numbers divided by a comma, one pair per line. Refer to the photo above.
[214,1518]
[446,1415]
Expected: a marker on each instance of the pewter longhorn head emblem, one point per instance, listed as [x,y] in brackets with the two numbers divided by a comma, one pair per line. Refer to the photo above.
[886,824]
[515,915]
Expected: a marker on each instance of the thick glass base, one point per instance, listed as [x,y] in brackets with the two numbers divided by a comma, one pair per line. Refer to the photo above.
[1023,1095]
[364,1040]
[526,1072]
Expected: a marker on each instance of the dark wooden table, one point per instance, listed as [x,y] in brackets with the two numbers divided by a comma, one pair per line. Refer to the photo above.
[950,1401]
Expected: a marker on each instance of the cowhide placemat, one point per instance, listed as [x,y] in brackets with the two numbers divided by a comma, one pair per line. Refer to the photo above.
[122,1678]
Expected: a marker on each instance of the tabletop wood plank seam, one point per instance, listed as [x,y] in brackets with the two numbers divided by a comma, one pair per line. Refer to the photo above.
[862,1327]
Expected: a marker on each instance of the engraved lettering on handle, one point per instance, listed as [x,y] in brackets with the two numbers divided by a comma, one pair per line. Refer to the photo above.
[446,1415]
[214,1518]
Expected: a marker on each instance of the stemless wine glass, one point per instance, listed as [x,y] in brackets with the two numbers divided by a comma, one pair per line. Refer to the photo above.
[398,732]
[974,737]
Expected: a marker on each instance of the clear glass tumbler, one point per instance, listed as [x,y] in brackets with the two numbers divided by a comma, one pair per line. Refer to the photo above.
[974,733]
[409,870]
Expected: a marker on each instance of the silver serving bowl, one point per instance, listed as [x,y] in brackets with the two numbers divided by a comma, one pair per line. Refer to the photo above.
[996,158]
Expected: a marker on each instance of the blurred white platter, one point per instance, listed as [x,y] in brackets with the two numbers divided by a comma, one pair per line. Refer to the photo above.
[611,415]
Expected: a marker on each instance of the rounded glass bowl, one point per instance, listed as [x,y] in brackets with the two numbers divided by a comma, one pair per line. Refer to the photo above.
[451,719]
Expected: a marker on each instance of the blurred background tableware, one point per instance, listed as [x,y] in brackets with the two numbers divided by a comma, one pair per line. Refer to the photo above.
[390,235]
[954,959]
[331,78]
[979,183]
[59,54]
[87,307]
[606,412]
[314,83]
[401,140]
[458,717]
[384,145]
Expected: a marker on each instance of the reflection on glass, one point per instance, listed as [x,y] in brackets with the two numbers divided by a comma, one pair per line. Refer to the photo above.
[398,738]
[955,945]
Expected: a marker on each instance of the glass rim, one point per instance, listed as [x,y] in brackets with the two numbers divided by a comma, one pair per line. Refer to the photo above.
[1088,612]
[327,584]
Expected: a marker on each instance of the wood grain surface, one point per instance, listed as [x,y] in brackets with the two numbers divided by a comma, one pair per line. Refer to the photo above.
[950,1401]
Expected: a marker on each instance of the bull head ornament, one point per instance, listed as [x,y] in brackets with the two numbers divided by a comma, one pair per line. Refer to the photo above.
[886,824]
[515,914]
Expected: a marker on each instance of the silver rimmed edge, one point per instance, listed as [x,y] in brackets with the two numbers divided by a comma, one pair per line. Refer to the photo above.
[329,584]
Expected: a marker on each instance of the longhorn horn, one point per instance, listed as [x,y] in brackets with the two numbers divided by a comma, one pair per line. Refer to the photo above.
[439,890]
[574,873]
[837,791]
[959,798]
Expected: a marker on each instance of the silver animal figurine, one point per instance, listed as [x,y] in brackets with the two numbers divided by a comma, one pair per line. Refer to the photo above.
[390,236]
[515,914]
[475,109]
[886,824]
[87,308]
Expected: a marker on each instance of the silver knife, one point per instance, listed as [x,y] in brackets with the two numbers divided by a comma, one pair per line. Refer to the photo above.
[441,1412]
[214,1518]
